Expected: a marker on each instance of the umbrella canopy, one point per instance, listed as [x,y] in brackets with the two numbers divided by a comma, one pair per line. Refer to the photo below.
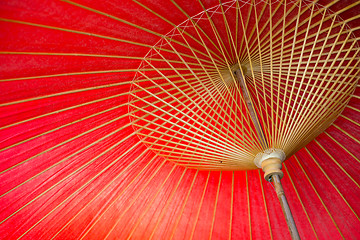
[125,119]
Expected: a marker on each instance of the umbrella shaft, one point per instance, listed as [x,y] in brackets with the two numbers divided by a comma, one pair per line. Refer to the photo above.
[250,107]
[285,207]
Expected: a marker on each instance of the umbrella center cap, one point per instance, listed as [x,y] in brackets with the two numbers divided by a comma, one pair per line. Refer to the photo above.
[270,160]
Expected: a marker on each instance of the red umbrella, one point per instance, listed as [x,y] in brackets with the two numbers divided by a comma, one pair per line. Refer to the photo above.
[129,119]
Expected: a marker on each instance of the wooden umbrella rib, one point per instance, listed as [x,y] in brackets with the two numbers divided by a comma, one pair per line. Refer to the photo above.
[332,183]
[183,206]
[164,113]
[231,204]
[75,31]
[345,149]
[214,63]
[269,20]
[301,202]
[187,106]
[319,104]
[231,41]
[264,143]
[177,73]
[278,125]
[107,186]
[146,183]
[299,123]
[174,124]
[221,149]
[282,129]
[160,109]
[62,110]
[212,152]
[180,30]
[89,34]
[177,87]
[215,207]
[350,120]
[310,134]
[63,143]
[237,9]
[184,202]
[81,188]
[64,75]
[346,133]
[223,49]
[200,206]
[193,73]
[53,130]
[58,111]
[342,83]
[301,82]
[198,158]
[64,93]
[196,26]
[231,108]
[130,24]
[271,75]
[248,203]
[71,139]
[242,58]
[317,194]
[252,43]
[166,204]
[197,146]
[228,33]
[318,32]
[96,56]
[351,107]
[306,20]
[71,174]
[265,204]
[144,187]
[268,82]
[265,126]
[148,205]
[286,13]
[305,41]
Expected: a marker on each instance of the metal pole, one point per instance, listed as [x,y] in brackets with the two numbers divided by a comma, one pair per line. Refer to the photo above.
[285,207]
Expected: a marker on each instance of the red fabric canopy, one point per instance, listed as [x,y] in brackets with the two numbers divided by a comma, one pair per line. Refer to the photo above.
[72,166]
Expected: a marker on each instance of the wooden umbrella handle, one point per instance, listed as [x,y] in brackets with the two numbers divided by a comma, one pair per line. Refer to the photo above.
[285,207]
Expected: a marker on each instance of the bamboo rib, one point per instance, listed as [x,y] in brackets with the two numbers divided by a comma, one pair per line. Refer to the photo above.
[265,204]
[186,105]
[301,202]
[108,185]
[61,144]
[332,183]
[74,172]
[144,187]
[96,114]
[130,24]
[227,64]
[200,206]
[316,192]
[287,125]
[215,206]
[149,205]
[81,188]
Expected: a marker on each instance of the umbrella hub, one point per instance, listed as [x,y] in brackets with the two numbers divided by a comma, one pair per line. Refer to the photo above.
[270,161]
